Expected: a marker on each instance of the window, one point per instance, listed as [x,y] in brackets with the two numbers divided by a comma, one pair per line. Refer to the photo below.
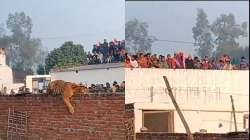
[158,121]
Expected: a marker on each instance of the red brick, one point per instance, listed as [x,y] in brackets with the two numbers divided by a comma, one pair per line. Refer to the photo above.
[96,117]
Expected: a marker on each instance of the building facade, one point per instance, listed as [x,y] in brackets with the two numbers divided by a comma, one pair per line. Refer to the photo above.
[203,96]
[37,83]
[6,76]
[91,74]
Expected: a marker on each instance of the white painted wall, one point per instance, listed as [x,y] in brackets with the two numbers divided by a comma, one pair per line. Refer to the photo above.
[29,80]
[204,109]
[6,77]
[2,57]
[92,76]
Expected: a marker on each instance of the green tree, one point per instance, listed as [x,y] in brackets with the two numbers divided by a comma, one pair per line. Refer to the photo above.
[69,54]
[41,69]
[226,32]
[137,37]
[2,30]
[4,40]
[202,34]
[22,50]
[20,25]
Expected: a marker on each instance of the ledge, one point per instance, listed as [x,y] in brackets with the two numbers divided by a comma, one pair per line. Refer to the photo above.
[88,67]
[115,96]
[230,134]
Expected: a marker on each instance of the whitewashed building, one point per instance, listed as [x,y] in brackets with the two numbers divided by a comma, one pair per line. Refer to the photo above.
[6,75]
[203,96]
[91,74]
[37,82]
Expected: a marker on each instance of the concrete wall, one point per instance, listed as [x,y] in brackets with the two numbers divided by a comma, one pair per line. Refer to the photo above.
[6,74]
[6,77]
[96,117]
[203,95]
[30,78]
[2,57]
[92,76]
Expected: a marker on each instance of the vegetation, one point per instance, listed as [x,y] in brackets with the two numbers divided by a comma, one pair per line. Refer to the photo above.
[137,37]
[220,37]
[68,54]
[25,54]
[23,51]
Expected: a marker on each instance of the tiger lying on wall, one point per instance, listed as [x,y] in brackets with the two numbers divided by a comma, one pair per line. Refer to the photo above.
[67,89]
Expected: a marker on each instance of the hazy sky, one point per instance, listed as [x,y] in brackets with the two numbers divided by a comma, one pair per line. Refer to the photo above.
[173,20]
[82,21]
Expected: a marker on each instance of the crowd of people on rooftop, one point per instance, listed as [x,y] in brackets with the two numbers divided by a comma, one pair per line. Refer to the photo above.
[115,87]
[180,61]
[107,52]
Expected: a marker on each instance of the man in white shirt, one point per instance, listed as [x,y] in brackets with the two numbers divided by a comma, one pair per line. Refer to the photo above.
[134,62]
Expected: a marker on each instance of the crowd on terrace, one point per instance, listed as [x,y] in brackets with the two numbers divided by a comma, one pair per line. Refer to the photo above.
[115,87]
[180,61]
[107,52]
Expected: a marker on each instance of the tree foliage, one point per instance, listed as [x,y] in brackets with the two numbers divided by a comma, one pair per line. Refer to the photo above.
[226,32]
[22,50]
[2,30]
[68,54]
[41,69]
[202,34]
[137,37]
[20,25]
[220,37]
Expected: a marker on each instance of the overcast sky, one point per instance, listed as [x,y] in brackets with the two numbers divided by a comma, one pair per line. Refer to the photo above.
[82,21]
[173,20]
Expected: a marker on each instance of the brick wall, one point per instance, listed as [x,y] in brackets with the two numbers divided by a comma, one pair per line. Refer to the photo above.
[178,136]
[96,117]
[129,121]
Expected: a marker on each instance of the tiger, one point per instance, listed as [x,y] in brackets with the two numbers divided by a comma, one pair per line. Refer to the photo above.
[67,89]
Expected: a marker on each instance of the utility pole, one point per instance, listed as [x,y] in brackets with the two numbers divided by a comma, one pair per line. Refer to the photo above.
[233,109]
[170,93]
[151,94]
[44,70]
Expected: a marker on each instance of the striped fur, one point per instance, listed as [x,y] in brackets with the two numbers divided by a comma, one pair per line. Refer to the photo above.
[67,89]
